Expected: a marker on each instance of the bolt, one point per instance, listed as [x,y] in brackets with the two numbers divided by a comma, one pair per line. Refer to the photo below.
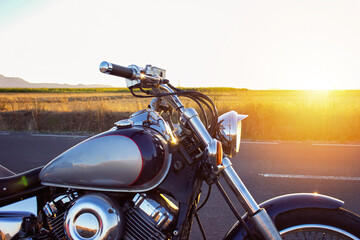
[178,165]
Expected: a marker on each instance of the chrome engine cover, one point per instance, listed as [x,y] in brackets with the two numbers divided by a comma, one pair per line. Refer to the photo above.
[94,216]
[161,214]
[14,216]
[149,216]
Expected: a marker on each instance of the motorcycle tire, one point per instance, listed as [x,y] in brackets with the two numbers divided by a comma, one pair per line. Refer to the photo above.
[315,223]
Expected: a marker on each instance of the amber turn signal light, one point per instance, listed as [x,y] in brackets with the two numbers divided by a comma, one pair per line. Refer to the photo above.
[219,153]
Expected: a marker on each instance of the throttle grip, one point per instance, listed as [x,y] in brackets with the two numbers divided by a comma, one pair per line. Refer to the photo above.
[116,70]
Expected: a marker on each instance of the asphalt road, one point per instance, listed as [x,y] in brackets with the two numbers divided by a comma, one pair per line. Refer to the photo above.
[268,170]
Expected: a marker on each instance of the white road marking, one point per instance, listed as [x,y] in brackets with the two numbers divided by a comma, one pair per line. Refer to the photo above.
[53,135]
[336,145]
[4,133]
[272,143]
[269,175]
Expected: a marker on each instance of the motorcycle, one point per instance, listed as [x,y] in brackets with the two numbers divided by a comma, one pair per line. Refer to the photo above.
[142,179]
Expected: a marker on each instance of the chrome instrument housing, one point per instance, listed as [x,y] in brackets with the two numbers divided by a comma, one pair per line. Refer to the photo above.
[152,119]
[155,71]
[229,132]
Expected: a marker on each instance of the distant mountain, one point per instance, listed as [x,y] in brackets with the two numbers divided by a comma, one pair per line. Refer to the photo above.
[13,82]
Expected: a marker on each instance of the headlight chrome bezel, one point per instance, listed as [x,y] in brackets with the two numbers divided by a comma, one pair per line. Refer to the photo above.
[229,132]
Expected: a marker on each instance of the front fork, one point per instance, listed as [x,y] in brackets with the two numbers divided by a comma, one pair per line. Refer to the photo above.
[258,216]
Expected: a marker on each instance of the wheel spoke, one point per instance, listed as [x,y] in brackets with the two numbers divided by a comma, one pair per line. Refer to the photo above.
[315,232]
[323,237]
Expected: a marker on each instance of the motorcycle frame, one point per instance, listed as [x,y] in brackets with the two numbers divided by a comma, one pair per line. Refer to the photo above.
[259,218]
[187,179]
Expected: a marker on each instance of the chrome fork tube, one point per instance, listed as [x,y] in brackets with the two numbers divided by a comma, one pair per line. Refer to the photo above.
[238,187]
[188,115]
[173,101]
[258,216]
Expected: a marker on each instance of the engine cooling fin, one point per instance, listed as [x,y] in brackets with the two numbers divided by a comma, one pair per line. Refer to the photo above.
[57,226]
[139,227]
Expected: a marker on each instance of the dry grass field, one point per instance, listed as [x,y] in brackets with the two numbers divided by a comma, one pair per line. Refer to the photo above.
[273,114]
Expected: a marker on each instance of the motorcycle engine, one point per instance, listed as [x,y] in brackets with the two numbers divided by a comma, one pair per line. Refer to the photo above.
[149,217]
[96,216]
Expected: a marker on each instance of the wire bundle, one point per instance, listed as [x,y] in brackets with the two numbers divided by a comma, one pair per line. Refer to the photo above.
[199,98]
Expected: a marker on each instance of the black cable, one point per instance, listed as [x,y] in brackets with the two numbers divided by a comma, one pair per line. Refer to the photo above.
[199,96]
[206,199]
[144,91]
[174,88]
[152,94]
[215,112]
[138,96]
[199,93]
[202,110]
[211,110]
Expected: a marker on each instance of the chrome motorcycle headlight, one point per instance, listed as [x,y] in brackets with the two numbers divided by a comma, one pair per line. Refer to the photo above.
[229,132]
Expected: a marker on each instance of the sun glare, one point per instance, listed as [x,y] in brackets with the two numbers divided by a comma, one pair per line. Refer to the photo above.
[320,86]
[319,93]
[315,84]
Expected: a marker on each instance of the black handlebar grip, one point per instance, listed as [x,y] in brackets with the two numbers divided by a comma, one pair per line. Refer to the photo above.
[116,70]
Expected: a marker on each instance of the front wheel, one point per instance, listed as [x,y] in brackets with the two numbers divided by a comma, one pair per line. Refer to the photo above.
[318,224]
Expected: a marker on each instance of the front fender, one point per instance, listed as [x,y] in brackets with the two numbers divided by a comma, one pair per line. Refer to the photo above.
[284,203]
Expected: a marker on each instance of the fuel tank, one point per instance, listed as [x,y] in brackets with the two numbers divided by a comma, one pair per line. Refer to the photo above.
[121,160]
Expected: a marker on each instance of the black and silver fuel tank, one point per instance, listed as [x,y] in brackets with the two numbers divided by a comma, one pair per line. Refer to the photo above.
[120,160]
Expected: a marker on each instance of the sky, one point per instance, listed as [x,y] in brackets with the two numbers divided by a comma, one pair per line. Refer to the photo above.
[257,44]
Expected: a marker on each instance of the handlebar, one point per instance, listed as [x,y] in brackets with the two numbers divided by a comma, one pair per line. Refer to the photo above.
[153,77]
[116,70]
